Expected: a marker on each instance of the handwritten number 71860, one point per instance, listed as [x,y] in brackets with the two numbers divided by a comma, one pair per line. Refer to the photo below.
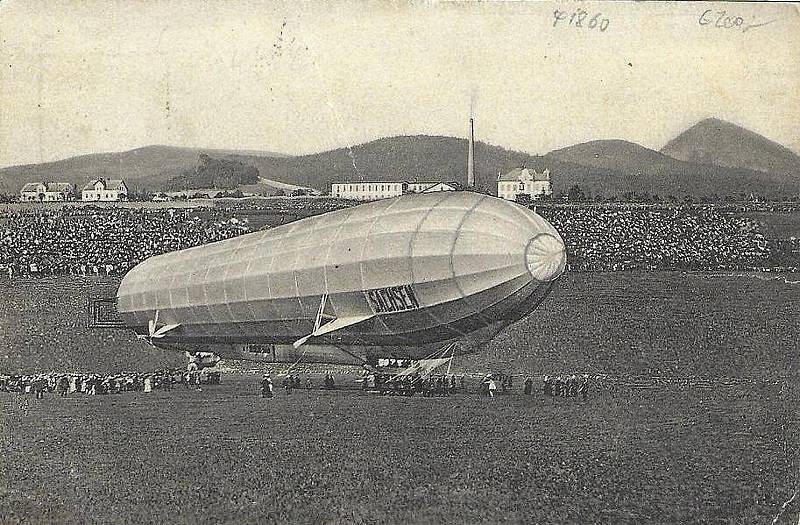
[580,18]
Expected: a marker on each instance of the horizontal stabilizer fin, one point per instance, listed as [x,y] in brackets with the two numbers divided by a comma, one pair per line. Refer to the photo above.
[164,329]
[156,333]
[336,324]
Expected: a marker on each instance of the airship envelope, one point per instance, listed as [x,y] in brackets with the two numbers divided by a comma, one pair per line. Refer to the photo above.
[409,271]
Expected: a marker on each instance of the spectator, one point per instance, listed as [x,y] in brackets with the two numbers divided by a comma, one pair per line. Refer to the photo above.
[81,241]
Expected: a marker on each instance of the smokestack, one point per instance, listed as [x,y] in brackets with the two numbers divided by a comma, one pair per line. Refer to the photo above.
[471,156]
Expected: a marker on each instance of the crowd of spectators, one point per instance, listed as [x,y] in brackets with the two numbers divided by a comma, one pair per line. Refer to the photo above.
[627,238]
[302,205]
[564,386]
[110,241]
[431,385]
[103,384]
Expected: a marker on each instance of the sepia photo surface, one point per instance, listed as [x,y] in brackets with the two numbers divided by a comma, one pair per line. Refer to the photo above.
[399,262]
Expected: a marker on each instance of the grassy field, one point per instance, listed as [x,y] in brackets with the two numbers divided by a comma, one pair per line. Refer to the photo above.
[623,324]
[695,419]
[777,225]
[44,326]
[672,324]
[670,454]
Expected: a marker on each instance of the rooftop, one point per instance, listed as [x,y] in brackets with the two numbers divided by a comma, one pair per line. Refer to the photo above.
[525,174]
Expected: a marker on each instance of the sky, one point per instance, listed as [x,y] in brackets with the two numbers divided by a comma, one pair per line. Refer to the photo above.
[85,77]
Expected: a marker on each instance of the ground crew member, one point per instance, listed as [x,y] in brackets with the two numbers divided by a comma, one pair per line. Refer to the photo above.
[492,387]
[583,388]
[266,386]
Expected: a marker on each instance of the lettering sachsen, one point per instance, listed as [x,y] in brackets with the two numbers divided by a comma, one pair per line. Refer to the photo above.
[392,299]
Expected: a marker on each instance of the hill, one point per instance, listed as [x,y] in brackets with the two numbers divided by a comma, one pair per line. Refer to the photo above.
[641,169]
[598,167]
[420,158]
[211,172]
[715,141]
[141,168]
[410,158]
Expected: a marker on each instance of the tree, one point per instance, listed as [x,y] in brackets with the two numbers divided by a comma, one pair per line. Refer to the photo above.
[524,199]
[575,193]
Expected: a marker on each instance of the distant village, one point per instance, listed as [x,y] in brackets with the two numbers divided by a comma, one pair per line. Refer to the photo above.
[518,184]
[613,170]
[96,190]
[522,184]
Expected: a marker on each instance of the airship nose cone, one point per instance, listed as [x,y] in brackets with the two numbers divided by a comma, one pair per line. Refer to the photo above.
[545,257]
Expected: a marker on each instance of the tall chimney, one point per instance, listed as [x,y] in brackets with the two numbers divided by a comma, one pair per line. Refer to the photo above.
[471,156]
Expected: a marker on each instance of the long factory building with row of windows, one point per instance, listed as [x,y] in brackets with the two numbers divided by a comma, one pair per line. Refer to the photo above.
[511,185]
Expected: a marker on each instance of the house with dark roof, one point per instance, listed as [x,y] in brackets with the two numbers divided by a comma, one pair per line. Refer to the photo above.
[46,192]
[104,190]
[524,181]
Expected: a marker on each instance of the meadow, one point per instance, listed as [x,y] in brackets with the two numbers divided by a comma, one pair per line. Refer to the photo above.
[693,418]
[675,454]
[627,324]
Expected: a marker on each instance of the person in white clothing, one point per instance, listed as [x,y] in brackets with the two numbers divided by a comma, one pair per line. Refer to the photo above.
[492,387]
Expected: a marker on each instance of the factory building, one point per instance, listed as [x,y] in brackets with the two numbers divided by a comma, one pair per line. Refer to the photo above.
[374,190]
[368,191]
[524,181]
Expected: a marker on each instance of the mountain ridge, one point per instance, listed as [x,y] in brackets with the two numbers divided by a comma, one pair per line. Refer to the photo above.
[153,162]
[723,143]
[601,167]
[655,173]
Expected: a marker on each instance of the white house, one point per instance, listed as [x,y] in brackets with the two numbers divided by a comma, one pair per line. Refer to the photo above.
[46,192]
[105,190]
[33,191]
[523,181]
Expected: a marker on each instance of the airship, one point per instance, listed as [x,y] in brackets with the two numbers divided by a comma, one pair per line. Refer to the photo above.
[400,278]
